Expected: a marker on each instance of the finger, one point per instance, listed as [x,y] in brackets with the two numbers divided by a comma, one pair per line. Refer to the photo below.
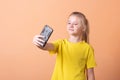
[39,36]
[40,40]
[36,44]
[39,43]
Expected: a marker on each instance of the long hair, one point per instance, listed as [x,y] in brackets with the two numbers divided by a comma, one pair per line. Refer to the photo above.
[85,24]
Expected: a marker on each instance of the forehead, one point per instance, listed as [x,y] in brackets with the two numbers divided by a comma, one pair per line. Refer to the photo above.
[74,18]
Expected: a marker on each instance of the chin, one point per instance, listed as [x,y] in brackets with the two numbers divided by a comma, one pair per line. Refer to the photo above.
[70,33]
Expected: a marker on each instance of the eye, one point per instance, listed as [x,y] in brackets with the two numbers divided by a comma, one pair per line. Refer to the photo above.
[69,23]
[75,24]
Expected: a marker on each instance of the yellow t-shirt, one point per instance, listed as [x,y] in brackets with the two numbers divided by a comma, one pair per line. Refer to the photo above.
[72,60]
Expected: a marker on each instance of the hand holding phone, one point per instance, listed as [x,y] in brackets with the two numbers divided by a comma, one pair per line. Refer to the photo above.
[46,32]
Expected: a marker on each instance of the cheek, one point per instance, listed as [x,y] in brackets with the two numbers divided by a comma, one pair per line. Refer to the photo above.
[79,29]
[68,27]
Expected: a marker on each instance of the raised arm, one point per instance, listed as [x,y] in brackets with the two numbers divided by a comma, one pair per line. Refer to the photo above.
[38,41]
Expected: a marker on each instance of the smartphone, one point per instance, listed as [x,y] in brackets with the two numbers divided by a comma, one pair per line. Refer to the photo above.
[46,32]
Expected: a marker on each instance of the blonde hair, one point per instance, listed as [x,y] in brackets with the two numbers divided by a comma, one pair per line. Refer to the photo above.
[84,21]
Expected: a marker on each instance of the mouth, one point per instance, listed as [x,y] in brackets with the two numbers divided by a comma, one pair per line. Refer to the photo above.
[71,29]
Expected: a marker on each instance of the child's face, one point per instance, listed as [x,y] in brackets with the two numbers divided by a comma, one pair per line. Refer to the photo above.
[74,25]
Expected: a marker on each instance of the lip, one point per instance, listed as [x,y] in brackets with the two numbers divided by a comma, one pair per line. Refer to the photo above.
[71,29]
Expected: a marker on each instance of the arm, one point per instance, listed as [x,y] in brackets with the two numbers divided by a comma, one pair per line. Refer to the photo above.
[48,46]
[90,74]
[38,41]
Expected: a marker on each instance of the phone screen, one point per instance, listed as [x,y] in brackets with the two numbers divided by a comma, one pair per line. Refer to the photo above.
[46,32]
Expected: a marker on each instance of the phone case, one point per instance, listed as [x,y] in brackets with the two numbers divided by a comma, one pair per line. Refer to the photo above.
[46,32]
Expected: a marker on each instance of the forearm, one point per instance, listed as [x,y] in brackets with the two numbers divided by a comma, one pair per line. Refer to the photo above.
[90,74]
[91,78]
[48,47]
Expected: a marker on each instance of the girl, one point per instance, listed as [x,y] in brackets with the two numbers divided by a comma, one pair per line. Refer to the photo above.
[75,57]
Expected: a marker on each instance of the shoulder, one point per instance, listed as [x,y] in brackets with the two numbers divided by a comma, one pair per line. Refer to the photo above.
[59,41]
[88,46]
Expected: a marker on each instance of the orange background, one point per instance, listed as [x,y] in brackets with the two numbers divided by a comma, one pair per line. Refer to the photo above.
[20,20]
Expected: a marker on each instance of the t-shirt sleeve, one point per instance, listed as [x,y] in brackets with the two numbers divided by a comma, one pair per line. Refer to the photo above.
[91,58]
[56,46]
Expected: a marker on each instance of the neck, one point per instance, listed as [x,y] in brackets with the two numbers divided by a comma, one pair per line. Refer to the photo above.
[75,39]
